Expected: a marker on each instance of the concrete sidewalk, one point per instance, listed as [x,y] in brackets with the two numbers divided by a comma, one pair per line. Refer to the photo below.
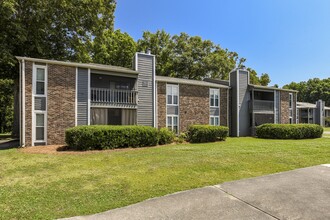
[298,194]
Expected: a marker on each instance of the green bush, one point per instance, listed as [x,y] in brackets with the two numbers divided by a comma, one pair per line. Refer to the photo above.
[181,138]
[109,137]
[207,133]
[289,131]
[327,121]
[165,136]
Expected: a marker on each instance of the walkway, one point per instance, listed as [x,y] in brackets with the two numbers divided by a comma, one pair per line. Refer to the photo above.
[298,194]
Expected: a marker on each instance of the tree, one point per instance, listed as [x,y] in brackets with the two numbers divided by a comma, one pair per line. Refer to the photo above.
[53,29]
[312,90]
[114,48]
[264,79]
[6,105]
[161,45]
[187,56]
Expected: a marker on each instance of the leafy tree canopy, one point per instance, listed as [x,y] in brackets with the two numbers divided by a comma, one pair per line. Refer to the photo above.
[187,56]
[312,90]
[53,29]
[114,48]
[192,57]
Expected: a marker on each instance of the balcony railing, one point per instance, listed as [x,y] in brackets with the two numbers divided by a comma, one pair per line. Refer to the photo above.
[263,106]
[110,96]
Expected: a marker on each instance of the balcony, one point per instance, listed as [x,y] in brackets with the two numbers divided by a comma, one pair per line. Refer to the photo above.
[263,106]
[101,97]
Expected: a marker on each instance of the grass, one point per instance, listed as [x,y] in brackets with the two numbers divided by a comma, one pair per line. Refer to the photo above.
[5,136]
[45,186]
[326,129]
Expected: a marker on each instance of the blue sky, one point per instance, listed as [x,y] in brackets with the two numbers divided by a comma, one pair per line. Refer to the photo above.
[288,39]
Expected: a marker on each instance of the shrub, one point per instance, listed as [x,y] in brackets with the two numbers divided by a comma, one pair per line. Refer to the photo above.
[207,133]
[109,137]
[181,138]
[165,136]
[289,131]
[327,121]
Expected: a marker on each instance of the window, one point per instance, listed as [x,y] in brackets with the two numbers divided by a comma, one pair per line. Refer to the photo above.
[172,93]
[40,127]
[40,82]
[214,120]
[290,108]
[290,100]
[39,99]
[172,107]
[214,97]
[172,123]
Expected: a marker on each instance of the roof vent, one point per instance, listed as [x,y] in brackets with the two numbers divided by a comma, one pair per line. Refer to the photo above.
[148,51]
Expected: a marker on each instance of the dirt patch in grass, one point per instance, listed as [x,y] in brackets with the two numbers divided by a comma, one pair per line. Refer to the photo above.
[62,149]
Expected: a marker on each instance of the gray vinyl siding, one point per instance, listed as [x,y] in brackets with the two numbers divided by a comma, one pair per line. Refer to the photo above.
[145,109]
[234,107]
[82,97]
[244,97]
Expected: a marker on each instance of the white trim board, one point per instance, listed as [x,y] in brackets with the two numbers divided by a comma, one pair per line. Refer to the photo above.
[34,112]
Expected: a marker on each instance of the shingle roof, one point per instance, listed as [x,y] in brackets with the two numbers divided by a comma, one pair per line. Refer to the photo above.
[309,105]
[305,105]
[188,81]
[82,65]
[272,88]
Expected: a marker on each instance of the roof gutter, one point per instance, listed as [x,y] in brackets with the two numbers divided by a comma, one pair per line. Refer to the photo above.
[82,65]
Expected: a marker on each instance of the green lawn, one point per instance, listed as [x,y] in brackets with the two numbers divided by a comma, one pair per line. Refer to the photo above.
[326,128]
[39,186]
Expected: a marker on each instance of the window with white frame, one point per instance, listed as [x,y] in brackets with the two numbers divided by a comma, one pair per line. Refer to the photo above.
[214,97]
[40,127]
[172,123]
[214,120]
[290,108]
[172,94]
[172,106]
[39,103]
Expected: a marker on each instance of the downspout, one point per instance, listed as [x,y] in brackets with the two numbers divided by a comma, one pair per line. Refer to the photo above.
[20,102]
[237,103]
[228,108]
[154,88]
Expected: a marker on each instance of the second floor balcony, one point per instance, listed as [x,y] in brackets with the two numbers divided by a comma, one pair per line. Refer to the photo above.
[113,98]
[262,106]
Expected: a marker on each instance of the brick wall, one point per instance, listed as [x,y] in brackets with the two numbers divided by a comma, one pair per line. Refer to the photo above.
[224,107]
[194,105]
[28,103]
[285,113]
[61,102]
[161,104]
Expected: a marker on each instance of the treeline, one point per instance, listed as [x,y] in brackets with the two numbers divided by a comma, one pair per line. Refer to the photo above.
[312,90]
[84,32]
